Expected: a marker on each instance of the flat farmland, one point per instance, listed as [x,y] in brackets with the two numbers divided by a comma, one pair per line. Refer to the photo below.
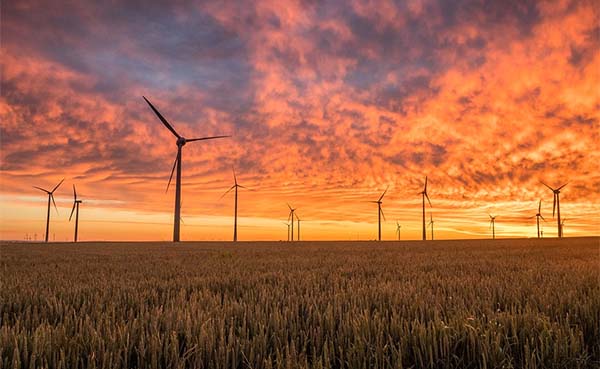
[435,304]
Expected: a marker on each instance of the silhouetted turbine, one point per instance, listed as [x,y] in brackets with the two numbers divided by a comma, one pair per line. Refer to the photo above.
[556,205]
[298,219]
[380,212]
[76,210]
[288,230]
[50,197]
[424,193]
[493,225]
[398,226]
[562,227]
[235,212]
[431,224]
[291,220]
[181,141]
[538,216]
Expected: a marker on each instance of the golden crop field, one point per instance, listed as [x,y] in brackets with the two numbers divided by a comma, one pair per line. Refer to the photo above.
[443,304]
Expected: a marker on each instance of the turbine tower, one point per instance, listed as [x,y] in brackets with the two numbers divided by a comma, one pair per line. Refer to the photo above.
[424,194]
[181,141]
[538,216]
[556,205]
[235,211]
[493,225]
[50,197]
[380,212]
[398,226]
[298,219]
[291,220]
[431,224]
[76,210]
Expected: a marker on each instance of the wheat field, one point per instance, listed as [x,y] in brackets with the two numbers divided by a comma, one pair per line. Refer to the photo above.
[436,304]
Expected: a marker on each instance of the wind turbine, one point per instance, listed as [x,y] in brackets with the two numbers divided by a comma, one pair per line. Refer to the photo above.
[50,197]
[562,227]
[380,212]
[76,209]
[398,226]
[424,193]
[235,212]
[538,216]
[298,219]
[493,225]
[291,219]
[431,224]
[556,205]
[181,141]
[288,230]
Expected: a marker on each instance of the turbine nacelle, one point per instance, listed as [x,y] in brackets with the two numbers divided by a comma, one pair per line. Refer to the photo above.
[181,141]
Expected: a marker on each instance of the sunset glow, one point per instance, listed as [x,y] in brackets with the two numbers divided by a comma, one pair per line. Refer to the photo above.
[327,105]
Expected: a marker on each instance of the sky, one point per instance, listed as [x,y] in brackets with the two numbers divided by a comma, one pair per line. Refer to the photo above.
[328,104]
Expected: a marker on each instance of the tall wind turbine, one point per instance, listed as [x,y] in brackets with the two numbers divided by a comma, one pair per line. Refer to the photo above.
[398,226]
[76,210]
[538,216]
[235,211]
[431,224]
[424,194]
[493,225]
[181,141]
[50,197]
[556,206]
[380,212]
[291,219]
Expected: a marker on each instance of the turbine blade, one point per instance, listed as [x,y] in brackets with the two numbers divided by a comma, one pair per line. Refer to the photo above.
[41,189]
[428,199]
[171,176]
[59,183]
[383,194]
[540,207]
[226,192]
[562,186]
[552,189]
[162,119]
[52,197]
[234,176]
[543,218]
[72,210]
[74,193]
[205,138]
[382,214]
[554,206]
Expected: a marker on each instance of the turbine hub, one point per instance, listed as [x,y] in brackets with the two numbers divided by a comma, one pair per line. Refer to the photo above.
[181,141]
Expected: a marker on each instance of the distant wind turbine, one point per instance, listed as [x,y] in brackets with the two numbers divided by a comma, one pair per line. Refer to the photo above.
[298,219]
[493,225]
[50,198]
[288,230]
[424,194]
[291,220]
[76,210]
[181,141]
[556,205]
[562,227]
[398,226]
[538,216]
[380,212]
[431,224]
[235,211]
